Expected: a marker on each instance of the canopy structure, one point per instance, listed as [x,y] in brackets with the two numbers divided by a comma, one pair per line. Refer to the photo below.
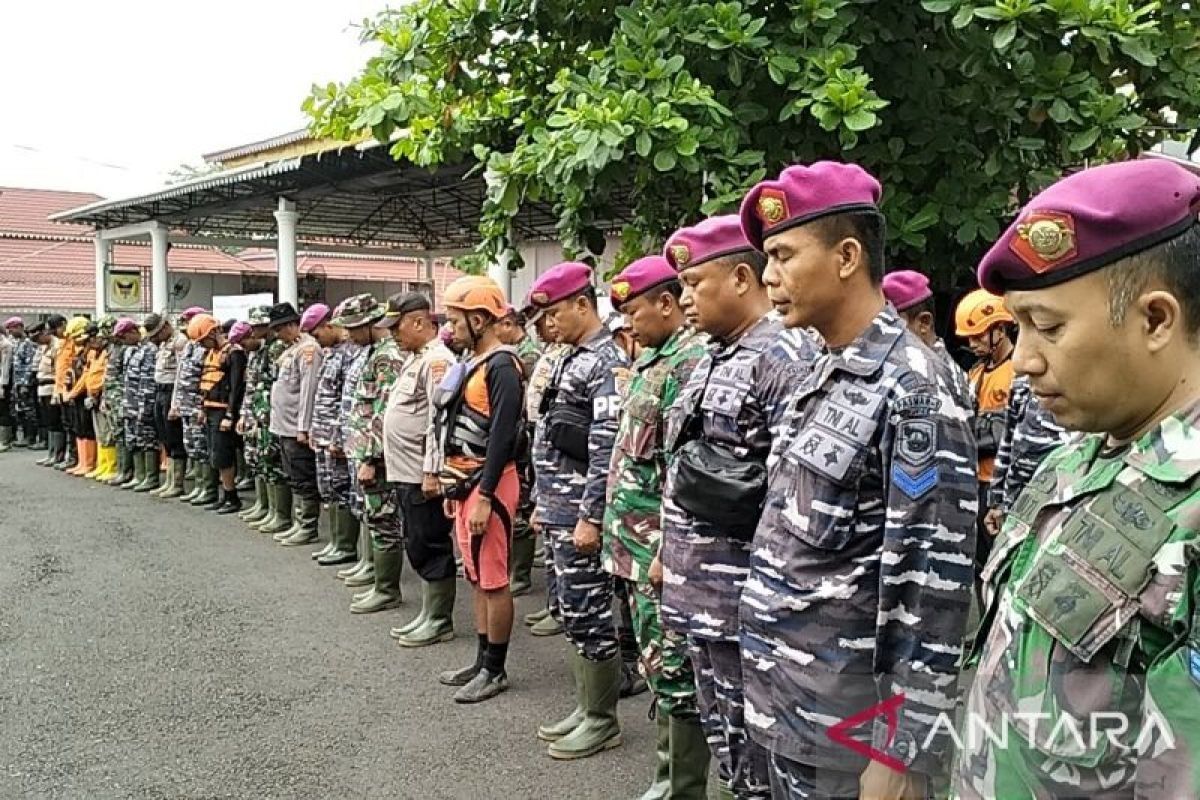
[345,198]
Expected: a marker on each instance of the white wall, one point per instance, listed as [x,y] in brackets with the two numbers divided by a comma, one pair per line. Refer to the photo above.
[541,256]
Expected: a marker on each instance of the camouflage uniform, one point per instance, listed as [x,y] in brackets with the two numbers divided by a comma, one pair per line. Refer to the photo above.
[138,400]
[633,514]
[364,443]
[568,491]
[535,388]
[861,571]
[333,476]
[1030,434]
[958,383]
[112,400]
[354,371]
[263,451]
[529,353]
[186,402]
[1091,610]
[737,392]
[24,378]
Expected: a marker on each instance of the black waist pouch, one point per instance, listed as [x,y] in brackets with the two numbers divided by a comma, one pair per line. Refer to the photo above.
[567,428]
[714,485]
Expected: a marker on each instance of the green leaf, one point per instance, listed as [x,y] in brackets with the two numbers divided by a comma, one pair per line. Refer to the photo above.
[1059,111]
[1138,51]
[925,218]
[643,144]
[1004,35]
[1083,140]
[664,161]
[937,6]
[860,120]
[993,14]
[687,146]
[963,18]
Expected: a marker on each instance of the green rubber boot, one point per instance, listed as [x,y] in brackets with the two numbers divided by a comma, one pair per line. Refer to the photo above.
[174,485]
[150,483]
[557,730]
[166,483]
[599,730]
[419,619]
[660,787]
[308,518]
[331,545]
[270,511]
[345,546]
[191,480]
[521,579]
[260,507]
[547,626]
[124,467]
[208,481]
[689,755]
[139,471]
[439,621]
[386,592]
[281,515]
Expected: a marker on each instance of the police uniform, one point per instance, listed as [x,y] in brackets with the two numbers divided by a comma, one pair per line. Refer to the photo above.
[729,406]
[572,452]
[861,568]
[1091,589]
[1030,434]
[633,535]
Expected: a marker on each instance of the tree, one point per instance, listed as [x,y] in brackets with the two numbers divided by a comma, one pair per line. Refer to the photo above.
[961,107]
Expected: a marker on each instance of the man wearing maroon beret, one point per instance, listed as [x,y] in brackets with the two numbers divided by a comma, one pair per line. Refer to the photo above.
[1091,589]
[909,292]
[718,434]
[860,577]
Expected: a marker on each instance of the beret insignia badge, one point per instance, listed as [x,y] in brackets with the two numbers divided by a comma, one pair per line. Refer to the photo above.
[680,254]
[620,290]
[772,207]
[1045,238]
[540,298]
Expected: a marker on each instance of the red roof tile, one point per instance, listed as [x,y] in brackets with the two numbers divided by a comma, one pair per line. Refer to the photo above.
[23,212]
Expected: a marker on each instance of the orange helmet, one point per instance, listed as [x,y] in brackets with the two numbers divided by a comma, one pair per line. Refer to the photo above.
[201,325]
[978,312]
[477,293]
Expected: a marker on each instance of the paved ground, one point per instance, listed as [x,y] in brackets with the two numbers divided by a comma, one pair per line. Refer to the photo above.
[150,650]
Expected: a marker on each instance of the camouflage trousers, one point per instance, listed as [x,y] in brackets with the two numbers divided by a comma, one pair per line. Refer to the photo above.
[583,597]
[381,513]
[664,659]
[25,407]
[741,763]
[333,479]
[195,440]
[140,434]
[795,781]
[110,432]
[264,455]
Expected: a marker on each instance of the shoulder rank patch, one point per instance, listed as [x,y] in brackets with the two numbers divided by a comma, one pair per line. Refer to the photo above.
[917,405]
[1193,660]
[914,471]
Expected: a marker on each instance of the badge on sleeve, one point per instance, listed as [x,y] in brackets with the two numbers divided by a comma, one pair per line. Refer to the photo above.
[914,470]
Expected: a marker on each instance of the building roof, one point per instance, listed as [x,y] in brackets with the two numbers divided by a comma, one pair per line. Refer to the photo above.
[24,213]
[253,148]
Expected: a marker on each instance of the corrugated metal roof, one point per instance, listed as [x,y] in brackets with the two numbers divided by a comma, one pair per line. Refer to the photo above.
[263,145]
[223,178]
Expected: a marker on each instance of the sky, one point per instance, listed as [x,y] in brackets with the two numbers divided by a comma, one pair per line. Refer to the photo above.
[109,96]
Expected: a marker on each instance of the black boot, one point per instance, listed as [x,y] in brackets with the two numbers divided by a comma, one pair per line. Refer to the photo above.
[232,504]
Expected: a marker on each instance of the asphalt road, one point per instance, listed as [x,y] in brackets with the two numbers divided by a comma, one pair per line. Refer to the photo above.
[152,650]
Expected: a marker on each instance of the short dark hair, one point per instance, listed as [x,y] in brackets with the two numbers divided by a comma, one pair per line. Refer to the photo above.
[587,293]
[868,227]
[56,321]
[755,260]
[1173,262]
[920,308]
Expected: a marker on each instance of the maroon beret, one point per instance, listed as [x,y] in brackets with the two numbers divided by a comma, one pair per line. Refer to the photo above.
[906,288]
[640,277]
[715,237]
[1089,220]
[558,283]
[803,193]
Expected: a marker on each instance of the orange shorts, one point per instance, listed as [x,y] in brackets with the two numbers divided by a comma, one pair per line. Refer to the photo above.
[485,558]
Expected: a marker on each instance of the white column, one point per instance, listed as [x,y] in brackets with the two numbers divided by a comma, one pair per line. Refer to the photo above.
[285,253]
[103,256]
[502,275]
[158,269]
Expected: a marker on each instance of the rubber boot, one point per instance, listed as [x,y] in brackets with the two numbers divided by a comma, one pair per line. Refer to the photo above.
[262,503]
[124,466]
[22,441]
[547,626]
[269,511]
[108,464]
[54,441]
[308,518]
[208,482]
[98,461]
[345,546]
[419,619]
[557,730]
[293,521]
[139,471]
[331,545]
[174,484]
[243,481]
[150,468]
[366,575]
[231,503]
[166,481]
[521,581]
[386,594]
[87,458]
[70,456]
[281,513]
[689,756]
[439,619]
[191,480]
[660,787]
[6,438]
[599,729]
[365,555]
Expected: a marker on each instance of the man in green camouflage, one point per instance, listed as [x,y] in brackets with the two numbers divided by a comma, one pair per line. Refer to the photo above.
[1088,682]
[263,451]
[647,293]
[511,331]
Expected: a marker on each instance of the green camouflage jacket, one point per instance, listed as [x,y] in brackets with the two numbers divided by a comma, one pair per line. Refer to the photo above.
[364,443]
[1089,659]
[633,514]
[261,372]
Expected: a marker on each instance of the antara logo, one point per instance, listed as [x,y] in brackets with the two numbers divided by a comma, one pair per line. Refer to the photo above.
[890,710]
